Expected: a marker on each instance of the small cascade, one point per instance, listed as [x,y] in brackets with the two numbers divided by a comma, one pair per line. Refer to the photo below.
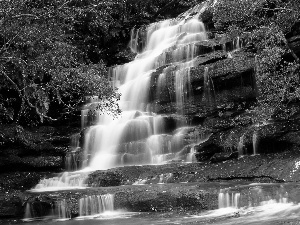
[73,159]
[187,52]
[237,44]
[161,86]
[137,42]
[57,211]
[28,215]
[209,89]
[164,178]
[191,155]
[88,116]
[254,195]
[96,204]
[183,88]
[241,146]
[229,199]
[67,180]
[255,143]
[60,211]
[140,182]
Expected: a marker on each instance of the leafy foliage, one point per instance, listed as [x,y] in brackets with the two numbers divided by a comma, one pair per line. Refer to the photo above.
[40,66]
[266,24]
[54,52]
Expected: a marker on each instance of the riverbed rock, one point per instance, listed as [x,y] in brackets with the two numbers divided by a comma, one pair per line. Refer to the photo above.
[33,149]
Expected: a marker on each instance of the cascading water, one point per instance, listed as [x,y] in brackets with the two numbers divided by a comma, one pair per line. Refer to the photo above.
[139,127]
[59,211]
[241,146]
[96,204]
[28,215]
[229,199]
[253,195]
[255,142]
[72,160]
[139,136]
[209,89]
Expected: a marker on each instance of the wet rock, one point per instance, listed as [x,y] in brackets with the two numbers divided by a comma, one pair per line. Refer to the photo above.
[41,163]
[293,38]
[10,205]
[294,44]
[105,179]
[41,148]
[206,150]
[220,157]
[20,181]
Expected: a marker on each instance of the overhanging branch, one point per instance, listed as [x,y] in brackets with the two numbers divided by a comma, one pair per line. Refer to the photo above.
[26,99]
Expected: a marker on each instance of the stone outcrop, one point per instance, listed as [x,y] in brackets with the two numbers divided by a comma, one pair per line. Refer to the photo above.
[33,149]
[168,188]
[233,146]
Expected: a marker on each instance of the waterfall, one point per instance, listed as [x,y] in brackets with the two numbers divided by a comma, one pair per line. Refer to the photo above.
[253,195]
[183,88]
[139,136]
[28,215]
[228,199]
[66,180]
[163,43]
[59,211]
[96,204]
[255,142]
[241,146]
[209,89]
[72,160]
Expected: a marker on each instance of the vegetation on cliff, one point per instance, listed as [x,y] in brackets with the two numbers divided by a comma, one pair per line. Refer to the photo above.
[53,53]
[267,25]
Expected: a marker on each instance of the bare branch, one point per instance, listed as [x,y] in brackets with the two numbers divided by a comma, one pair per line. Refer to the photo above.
[8,43]
[23,97]
[24,15]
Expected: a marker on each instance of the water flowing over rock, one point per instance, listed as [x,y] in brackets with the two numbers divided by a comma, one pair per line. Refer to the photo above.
[57,210]
[96,204]
[172,45]
[187,96]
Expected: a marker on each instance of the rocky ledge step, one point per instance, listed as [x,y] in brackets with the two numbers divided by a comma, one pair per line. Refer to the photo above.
[136,198]
[227,80]
[281,167]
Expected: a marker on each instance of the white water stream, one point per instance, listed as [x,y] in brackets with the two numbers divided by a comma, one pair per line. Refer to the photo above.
[139,127]
[139,136]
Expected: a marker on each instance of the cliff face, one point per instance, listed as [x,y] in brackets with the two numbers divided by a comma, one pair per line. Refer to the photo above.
[211,85]
[213,100]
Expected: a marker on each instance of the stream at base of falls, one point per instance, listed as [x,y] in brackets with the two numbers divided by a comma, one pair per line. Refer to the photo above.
[238,203]
[271,214]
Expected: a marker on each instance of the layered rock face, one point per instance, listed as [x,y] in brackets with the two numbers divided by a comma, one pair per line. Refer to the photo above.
[26,157]
[182,82]
[187,97]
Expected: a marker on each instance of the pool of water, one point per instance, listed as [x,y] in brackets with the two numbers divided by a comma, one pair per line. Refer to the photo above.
[239,203]
[268,213]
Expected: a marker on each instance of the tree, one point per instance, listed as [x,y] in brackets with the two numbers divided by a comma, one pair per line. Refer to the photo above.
[37,55]
[266,23]
[53,52]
